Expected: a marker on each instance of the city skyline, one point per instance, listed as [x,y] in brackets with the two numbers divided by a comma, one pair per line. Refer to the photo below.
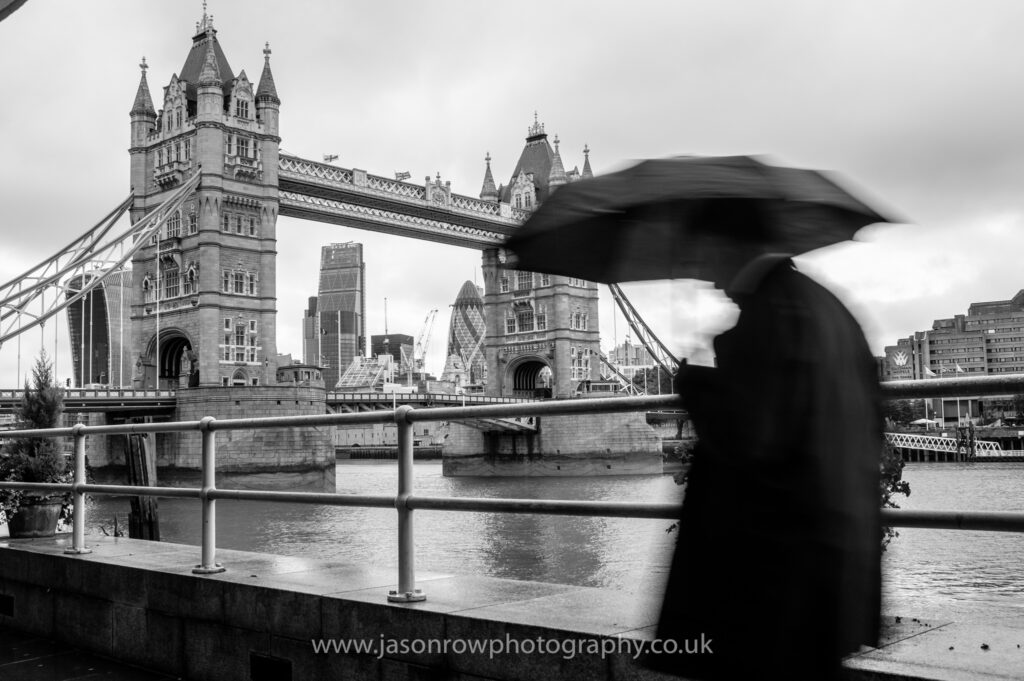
[917,108]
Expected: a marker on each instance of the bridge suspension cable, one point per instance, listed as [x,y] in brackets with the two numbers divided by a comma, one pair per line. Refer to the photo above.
[628,386]
[661,355]
[75,259]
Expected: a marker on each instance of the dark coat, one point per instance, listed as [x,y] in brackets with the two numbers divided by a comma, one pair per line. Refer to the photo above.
[778,554]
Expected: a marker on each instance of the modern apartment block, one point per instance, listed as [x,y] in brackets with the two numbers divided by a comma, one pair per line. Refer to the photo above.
[989,339]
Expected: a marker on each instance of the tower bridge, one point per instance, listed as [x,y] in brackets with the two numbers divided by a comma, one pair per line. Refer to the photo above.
[196,313]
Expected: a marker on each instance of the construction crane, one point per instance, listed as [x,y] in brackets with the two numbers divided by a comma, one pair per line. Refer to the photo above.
[419,353]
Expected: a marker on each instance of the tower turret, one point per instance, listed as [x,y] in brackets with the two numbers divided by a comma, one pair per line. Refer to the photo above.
[557,177]
[587,172]
[210,95]
[268,105]
[489,192]
[143,117]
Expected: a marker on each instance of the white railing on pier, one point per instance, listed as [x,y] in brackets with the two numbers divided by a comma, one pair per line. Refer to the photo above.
[932,443]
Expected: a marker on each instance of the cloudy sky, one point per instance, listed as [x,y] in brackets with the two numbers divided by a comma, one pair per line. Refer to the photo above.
[918,104]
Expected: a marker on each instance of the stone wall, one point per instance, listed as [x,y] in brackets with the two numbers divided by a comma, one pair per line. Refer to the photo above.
[139,602]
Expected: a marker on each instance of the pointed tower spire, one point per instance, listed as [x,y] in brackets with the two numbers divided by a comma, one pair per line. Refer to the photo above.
[210,75]
[587,172]
[143,102]
[557,175]
[489,191]
[266,89]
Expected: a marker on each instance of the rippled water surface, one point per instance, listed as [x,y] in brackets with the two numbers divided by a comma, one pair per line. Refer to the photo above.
[976,576]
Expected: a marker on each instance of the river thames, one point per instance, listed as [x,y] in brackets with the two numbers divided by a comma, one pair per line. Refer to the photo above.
[938,574]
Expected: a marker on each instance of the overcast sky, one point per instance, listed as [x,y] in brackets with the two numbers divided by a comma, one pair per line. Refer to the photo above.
[918,104]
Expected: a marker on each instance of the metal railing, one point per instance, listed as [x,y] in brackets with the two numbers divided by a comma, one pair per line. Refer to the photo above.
[405,501]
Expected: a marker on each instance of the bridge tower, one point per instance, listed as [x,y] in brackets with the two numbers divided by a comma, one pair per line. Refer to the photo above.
[205,291]
[542,335]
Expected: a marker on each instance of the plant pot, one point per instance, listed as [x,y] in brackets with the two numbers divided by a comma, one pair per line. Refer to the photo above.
[35,517]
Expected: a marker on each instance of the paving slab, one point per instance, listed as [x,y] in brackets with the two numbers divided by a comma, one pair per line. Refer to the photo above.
[947,652]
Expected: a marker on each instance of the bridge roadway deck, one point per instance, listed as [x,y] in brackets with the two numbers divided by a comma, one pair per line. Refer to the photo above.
[139,601]
[125,399]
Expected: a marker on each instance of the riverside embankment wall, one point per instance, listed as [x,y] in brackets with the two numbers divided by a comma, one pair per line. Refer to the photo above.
[580,444]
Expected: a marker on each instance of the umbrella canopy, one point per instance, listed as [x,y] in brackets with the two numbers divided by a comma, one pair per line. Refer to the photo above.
[668,218]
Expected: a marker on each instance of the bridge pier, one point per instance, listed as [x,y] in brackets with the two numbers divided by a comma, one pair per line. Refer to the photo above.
[305,452]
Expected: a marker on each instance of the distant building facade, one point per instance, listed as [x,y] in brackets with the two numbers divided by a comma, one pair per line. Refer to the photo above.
[989,339]
[334,324]
[465,361]
[394,344]
[100,328]
[630,358]
[541,337]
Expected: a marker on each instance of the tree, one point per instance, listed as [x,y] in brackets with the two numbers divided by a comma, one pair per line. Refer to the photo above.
[34,459]
[1018,405]
[891,483]
[653,381]
[903,411]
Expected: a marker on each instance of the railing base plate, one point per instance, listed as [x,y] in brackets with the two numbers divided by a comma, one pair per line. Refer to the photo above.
[203,570]
[407,597]
[77,552]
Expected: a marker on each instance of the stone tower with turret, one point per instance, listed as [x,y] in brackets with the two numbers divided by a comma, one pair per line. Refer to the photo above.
[542,334]
[205,291]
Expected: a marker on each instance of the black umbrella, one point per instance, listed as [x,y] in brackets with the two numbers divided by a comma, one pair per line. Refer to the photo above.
[667,218]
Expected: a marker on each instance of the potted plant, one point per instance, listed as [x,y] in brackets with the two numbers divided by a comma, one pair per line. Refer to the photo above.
[34,459]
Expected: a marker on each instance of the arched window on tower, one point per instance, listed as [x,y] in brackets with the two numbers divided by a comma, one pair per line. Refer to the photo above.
[172,287]
[147,289]
[191,282]
[174,225]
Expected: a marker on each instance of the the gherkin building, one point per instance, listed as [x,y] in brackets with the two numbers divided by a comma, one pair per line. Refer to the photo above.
[466,364]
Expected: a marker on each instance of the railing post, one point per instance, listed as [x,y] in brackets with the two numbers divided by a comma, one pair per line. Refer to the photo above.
[78,522]
[407,591]
[209,565]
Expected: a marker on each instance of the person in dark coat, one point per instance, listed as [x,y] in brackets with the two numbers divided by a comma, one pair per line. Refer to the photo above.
[776,572]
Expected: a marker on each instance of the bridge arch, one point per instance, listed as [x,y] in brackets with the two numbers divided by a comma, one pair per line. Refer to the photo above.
[174,367]
[530,376]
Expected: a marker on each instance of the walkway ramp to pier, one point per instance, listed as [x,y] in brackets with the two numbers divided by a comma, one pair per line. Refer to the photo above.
[932,443]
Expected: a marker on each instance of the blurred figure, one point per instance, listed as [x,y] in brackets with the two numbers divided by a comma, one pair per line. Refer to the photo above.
[777,568]
[776,573]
